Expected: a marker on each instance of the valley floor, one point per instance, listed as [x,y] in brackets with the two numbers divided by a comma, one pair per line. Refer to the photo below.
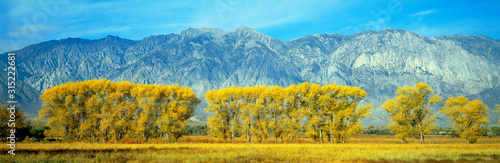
[362,148]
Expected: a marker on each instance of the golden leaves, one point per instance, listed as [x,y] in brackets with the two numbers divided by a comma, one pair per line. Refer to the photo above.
[467,116]
[262,111]
[410,111]
[102,110]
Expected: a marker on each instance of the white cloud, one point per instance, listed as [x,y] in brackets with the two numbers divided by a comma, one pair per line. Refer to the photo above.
[424,13]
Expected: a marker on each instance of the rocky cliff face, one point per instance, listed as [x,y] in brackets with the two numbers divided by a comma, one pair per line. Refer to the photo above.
[206,59]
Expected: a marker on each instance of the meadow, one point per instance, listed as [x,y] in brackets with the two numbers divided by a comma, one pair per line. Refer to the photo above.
[361,148]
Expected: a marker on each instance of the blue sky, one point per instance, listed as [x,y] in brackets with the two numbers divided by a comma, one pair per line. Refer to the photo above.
[27,22]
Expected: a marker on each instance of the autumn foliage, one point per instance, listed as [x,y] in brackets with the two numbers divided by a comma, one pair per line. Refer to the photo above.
[101,110]
[410,111]
[104,111]
[331,112]
[467,116]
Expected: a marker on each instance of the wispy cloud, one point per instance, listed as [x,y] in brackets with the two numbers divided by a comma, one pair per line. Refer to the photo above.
[424,13]
[21,8]
[32,31]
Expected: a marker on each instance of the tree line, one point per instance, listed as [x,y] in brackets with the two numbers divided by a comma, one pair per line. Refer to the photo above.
[101,110]
[331,112]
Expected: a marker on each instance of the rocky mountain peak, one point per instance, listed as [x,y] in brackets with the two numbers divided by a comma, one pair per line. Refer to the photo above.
[111,38]
[194,32]
[244,31]
[388,29]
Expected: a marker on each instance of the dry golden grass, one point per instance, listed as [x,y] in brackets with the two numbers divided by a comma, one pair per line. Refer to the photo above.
[195,149]
[362,138]
[366,138]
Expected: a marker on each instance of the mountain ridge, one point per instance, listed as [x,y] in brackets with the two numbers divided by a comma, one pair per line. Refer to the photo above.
[210,58]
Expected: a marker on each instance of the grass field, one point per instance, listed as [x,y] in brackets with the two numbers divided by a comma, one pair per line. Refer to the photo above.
[362,148]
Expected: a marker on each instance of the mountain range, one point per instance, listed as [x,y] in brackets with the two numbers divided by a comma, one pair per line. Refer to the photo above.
[210,58]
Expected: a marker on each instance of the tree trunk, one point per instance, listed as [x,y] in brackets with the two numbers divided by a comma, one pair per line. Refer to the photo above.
[330,136]
[321,135]
[224,134]
[232,136]
[233,128]
[421,134]
[422,137]
[92,135]
[249,134]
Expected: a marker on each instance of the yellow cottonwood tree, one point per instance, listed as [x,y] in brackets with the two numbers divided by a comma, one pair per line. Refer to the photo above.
[467,116]
[276,111]
[339,112]
[293,114]
[118,112]
[234,103]
[411,112]
[249,105]
[261,127]
[316,127]
[347,111]
[176,105]
[218,122]
[58,115]
[145,126]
